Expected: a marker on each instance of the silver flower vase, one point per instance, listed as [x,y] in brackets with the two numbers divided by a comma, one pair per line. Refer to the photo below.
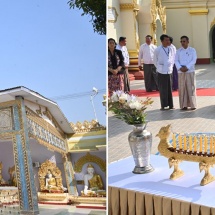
[140,141]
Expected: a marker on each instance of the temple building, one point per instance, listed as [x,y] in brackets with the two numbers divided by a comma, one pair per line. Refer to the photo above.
[44,158]
[135,19]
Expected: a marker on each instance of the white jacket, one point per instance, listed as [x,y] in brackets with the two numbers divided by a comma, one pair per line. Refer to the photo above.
[186,57]
[164,59]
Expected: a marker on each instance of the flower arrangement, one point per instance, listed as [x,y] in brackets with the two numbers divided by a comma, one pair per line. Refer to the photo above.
[128,108]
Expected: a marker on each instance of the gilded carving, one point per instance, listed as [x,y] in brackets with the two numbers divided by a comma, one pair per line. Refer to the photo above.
[6,122]
[176,155]
[17,172]
[12,173]
[39,111]
[153,16]
[203,11]
[87,126]
[157,9]
[55,184]
[45,133]
[162,14]
[89,158]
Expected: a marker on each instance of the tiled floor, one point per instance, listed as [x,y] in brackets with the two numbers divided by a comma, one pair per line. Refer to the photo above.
[200,120]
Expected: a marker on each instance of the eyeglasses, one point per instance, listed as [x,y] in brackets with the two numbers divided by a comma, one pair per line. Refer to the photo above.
[183,41]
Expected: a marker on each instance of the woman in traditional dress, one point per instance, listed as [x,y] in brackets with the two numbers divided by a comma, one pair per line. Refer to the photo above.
[116,68]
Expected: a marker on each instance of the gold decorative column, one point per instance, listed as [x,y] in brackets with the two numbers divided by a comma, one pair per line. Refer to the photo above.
[129,13]
[158,13]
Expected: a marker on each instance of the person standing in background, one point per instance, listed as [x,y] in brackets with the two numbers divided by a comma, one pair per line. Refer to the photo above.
[122,47]
[185,61]
[164,61]
[116,67]
[146,54]
[174,72]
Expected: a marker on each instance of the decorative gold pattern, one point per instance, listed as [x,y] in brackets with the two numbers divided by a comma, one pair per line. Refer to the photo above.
[45,133]
[50,197]
[12,173]
[6,122]
[52,119]
[157,9]
[17,172]
[199,12]
[87,126]
[89,158]
[129,6]
[175,156]
[39,111]
[43,170]
[177,172]
[207,177]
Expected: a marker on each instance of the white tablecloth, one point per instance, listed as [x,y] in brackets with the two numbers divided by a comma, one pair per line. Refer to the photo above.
[157,183]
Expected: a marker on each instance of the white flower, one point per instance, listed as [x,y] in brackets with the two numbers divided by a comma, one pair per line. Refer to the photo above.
[131,98]
[123,98]
[138,105]
[115,97]
[135,105]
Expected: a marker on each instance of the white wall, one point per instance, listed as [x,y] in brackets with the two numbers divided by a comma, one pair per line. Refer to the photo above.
[6,157]
[178,24]
[40,153]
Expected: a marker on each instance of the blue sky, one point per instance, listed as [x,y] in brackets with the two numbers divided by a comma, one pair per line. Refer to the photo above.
[53,50]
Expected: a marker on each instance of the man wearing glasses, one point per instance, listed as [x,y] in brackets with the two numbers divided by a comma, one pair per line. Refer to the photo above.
[185,61]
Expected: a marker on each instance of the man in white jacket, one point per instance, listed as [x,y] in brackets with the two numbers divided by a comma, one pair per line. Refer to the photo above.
[146,55]
[164,61]
[185,61]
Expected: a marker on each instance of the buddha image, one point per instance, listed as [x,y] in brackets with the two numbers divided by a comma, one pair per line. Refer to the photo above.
[92,181]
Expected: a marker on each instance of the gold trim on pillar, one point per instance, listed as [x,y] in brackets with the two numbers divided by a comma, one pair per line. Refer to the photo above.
[154,18]
[157,9]
[133,53]
[199,12]
[129,6]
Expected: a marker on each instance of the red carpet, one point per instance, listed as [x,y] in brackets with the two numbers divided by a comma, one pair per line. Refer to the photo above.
[200,92]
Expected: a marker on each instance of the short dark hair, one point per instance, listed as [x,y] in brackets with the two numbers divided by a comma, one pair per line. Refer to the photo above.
[163,36]
[171,39]
[111,39]
[122,39]
[149,36]
[185,37]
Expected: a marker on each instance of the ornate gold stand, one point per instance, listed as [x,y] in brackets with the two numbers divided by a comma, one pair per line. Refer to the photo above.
[207,177]
[177,173]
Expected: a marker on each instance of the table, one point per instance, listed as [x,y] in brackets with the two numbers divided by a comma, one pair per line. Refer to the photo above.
[155,194]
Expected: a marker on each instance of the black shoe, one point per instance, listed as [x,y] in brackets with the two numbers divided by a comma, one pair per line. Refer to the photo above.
[184,108]
[148,90]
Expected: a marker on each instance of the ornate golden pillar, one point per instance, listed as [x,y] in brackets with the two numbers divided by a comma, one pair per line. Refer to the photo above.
[128,12]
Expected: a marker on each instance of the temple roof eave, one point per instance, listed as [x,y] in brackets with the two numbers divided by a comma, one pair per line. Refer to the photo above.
[11,93]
